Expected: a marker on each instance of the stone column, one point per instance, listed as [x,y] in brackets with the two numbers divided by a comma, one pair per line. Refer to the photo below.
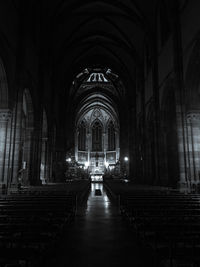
[184,174]
[134,166]
[50,150]
[46,165]
[193,121]
[76,145]
[16,145]
[89,144]
[26,159]
[180,95]
[104,146]
[5,115]
[36,155]
[117,148]
[43,161]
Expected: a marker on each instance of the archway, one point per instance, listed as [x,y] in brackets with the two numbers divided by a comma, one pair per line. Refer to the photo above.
[97,122]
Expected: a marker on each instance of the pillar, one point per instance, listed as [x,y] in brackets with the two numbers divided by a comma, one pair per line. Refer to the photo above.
[193,127]
[5,115]
[180,96]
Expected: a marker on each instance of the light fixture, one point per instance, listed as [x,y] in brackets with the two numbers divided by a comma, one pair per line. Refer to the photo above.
[125,158]
[24,165]
[106,164]
[68,159]
[87,164]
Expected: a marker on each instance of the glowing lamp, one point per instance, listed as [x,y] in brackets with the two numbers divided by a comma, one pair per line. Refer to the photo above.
[87,164]
[125,158]
[106,164]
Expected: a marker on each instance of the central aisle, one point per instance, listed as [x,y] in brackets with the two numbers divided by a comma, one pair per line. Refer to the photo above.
[99,237]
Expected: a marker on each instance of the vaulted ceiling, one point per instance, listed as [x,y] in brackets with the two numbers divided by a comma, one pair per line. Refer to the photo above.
[75,35]
[98,33]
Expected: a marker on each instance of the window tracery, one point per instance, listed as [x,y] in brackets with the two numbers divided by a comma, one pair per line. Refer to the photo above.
[82,136]
[97,136]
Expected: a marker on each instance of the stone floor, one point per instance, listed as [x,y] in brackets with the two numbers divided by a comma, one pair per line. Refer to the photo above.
[99,237]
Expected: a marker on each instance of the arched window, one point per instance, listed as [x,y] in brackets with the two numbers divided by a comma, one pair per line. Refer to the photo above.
[111,136]
[97,136]
[82,137]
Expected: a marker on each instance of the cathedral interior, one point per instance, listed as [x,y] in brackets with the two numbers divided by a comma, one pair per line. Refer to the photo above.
[100,133]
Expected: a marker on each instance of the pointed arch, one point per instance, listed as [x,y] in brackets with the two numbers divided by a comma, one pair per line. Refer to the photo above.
[97,130]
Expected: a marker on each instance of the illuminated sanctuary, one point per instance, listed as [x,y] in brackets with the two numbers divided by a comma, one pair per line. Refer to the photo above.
[97,126]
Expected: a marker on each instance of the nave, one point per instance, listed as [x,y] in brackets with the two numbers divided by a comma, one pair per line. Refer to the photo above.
[93,224]
[106,91]
[99,237]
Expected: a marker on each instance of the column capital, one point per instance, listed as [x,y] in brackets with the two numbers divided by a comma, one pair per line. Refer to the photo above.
[5,114]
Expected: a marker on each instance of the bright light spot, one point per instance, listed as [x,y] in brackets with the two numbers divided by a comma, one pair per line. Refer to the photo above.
[97,77]
[41,167]
[106,164]
[105,198]
[97,178]
[68,159]
[24,165]
[125,158]
[87,164]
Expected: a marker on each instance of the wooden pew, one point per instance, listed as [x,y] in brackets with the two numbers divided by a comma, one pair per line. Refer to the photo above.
[170,221]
